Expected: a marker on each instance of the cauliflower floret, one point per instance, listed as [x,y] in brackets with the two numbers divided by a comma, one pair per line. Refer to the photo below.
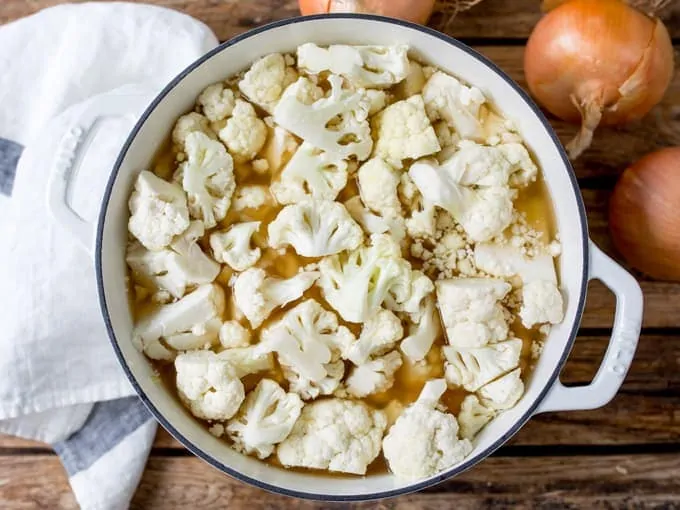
[423,334]
[473,416]
[257,295]
[414,82]
[233,335]
[471,310]
[404,131]
[252,196]
[309,342]
[245,134]
[233,247]
[378,335]
[408,294]
[484,212]
[363,66]
[506,261]
[313,173]
[474,367]
[247,360]
[193,322]
[208,178]
[336,124]
[266,80]
[190,123]
[374,224]
[315,228]
[334,434]
[424,441]
[448,99]
[377,101]
[280,146]
[378,184]
[208,386]
[374,376]
[422,222]
[504,392]
[177,267]
[158,211]
[541,303]
[217,102]
[266,418]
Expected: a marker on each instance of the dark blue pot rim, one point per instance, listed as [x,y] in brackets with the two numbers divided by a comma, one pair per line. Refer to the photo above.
[325,497]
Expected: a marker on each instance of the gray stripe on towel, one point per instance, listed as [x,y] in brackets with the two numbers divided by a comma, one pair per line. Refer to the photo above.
[109,423]
[9,158]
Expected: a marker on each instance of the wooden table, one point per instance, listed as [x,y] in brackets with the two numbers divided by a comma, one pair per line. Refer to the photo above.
[624,455]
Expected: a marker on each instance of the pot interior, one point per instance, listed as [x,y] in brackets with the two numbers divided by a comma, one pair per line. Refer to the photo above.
[237,55]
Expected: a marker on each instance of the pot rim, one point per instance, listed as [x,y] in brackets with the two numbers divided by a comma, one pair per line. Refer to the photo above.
[413,487]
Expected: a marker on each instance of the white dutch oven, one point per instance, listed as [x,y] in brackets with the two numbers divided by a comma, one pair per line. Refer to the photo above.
[581,260]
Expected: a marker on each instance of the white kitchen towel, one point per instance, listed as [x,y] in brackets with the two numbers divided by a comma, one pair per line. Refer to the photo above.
[59,379]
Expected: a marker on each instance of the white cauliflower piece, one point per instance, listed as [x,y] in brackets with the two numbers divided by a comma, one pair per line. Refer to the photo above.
[217,102]
[266,80]
[315,228]
[448,99]
[471,310]
[309,343]
[473,416]
[374,376]
[233,247]
[423,334]
[313,173]
[541,303]
[247,360]
[334,434]
[336,124]
[190,123]
[424,441]
[265,419]
[504,392]
[208,386]
[175,268]
[414,82]
[378,335]
[158,211]
[252,196]
[208,178]
[474,367]
[408,294]
[378,183]
[280,146]
[505,261]
[374,224]
[244,134]
[484,212]
[193,322]
[422,222]
[233,334]
[363,66]
[404,131]
[257,295]
[377,101]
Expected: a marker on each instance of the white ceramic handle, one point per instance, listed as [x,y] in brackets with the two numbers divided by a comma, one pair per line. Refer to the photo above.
[622,345]
[71,152]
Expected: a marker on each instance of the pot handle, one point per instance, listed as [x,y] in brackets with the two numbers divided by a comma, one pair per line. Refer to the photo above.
[621,349]
[70,155]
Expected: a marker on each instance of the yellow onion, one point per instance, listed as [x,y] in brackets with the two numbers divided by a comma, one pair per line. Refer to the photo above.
[598,62]
[417,11]
[644,214]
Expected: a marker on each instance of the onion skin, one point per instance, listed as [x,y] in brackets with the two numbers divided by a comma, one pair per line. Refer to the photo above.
[598,62]
[644,215]
[417,11]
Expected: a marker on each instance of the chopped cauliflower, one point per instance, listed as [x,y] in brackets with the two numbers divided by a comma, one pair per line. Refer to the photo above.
[233,247]
[266,418]
[257,295]
[217,102]
[363,66]
[541,303]
[408,294]
[505,261]
[424,441]
[404,132]
[266,80]
[471,310]
[311,173]
[191,123]
[233,335]
[247,360]
[315,228]
[251,196]
[244,134]
[208,178]
[448,99]
[474,367]
[308,389]
[379,334]
[280,147]
[374,376]
[473,416]
[374,224]
[158,211]
[334,434]
[423,334]
[336,124]
[208,386]
[193,322]
[414,82]
[504,392]
[378,183]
